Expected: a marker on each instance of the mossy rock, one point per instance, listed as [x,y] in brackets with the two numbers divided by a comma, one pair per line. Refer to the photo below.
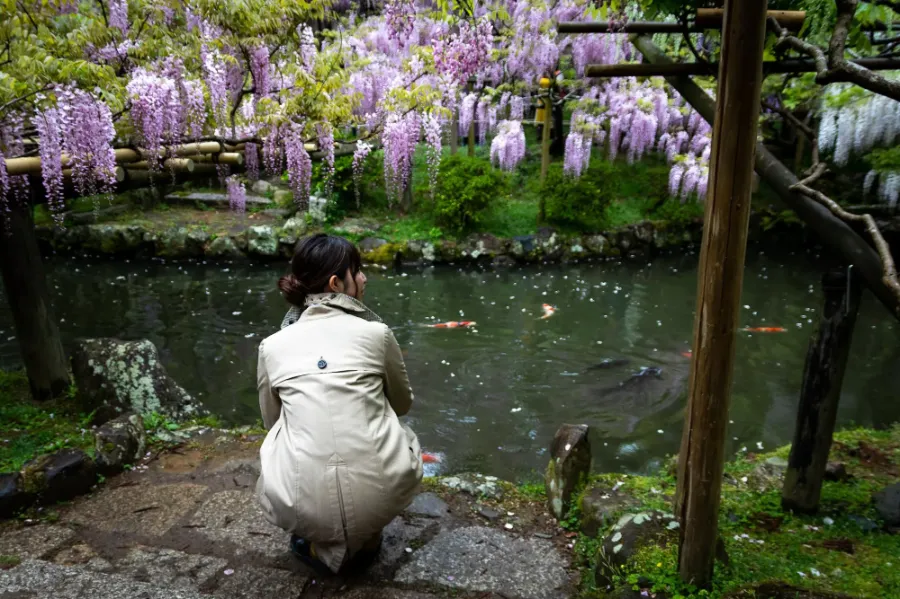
[59,476]
[262,241]
[384,253]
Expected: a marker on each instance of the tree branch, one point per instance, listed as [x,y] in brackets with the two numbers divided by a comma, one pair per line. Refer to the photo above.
[834,67]
[889,274]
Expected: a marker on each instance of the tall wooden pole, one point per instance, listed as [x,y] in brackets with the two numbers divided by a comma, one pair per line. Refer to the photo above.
[454,132]
[29,303]
[472,124]
[823,375]
[701,460]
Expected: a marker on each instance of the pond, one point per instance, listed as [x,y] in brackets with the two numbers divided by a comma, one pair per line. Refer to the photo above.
[490,398]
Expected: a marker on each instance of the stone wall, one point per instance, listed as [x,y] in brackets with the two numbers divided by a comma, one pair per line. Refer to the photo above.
[266,242]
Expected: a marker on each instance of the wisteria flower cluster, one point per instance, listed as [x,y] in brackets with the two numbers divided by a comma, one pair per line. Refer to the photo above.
[47,123]
[87,136]
[251,160]
[400,137]
[363,149]
[237,194]
[464,53]
[508,146]
[399,15]
[259,68]
[299,166]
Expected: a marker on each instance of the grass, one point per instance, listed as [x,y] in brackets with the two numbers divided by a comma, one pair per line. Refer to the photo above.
[29,429]
[802,551]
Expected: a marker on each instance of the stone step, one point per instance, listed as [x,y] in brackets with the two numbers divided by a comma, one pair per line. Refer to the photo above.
[214,199]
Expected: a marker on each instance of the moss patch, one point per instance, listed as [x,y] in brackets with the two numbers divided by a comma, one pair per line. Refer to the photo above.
[29,429]
[841,550]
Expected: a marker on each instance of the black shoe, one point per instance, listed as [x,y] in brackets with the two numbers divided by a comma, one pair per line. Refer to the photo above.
[364,558]
[302,549]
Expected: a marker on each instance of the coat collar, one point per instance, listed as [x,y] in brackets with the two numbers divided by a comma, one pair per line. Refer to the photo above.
[321,304]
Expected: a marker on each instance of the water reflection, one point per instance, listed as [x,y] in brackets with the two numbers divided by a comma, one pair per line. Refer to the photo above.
[490,398]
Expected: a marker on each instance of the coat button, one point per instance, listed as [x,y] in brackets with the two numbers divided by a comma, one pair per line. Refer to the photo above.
[322,364]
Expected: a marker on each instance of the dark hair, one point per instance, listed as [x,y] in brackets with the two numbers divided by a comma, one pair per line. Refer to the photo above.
[316,259]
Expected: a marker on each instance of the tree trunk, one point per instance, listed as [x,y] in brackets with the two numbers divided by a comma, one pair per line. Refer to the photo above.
[823,375]
[29,302]
[702,456]
[558,146]
[833,232]
[454,132]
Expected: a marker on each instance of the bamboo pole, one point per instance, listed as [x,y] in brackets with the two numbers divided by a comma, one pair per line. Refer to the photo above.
[232,158]
[173,164]
[823,375]
[675,69]
[721,271]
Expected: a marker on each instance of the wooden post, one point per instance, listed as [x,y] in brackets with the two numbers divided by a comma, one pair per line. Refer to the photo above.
[29,302]
[472,124]
[545,136]
[823,375]
[454,132]
[702,457]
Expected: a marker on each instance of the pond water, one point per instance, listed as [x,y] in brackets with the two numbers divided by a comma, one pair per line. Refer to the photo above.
[490,398]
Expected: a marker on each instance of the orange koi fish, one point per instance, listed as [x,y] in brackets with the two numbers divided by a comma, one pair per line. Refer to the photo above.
[688,354]
[548,311]
[430,458]
[764,330]
[462,324]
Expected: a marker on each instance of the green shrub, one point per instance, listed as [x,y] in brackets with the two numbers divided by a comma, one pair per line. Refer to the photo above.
[579,203]
[465,189]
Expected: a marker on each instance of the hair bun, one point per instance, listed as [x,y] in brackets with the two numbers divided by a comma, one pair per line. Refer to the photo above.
[293,290]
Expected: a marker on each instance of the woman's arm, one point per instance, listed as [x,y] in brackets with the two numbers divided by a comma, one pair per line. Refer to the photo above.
[269,404]
[396,381]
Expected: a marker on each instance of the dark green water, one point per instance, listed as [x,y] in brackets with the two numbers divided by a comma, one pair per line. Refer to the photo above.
[491,398]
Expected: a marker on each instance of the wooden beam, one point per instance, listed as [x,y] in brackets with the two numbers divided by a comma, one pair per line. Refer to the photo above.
[711,18]
[771,67]
[640,27]
[651,27]
[721,274]
[823,375]
[832,231]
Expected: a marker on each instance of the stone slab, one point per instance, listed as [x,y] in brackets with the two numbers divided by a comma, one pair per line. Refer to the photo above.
[235,516]
[261,583]
[140,509]
[481,559]
[384,593]
[174,568]
[33,542]
[214,198]
[43,580]
[429,505]
[397,536]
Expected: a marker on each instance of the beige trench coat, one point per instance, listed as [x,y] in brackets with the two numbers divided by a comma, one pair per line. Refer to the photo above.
[337,464]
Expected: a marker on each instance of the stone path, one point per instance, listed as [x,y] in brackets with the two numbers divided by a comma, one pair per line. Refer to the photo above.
[186,526]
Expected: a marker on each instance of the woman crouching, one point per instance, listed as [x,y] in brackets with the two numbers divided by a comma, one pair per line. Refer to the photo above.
[337,464]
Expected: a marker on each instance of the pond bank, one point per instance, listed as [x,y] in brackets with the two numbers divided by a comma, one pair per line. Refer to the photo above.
[262,237]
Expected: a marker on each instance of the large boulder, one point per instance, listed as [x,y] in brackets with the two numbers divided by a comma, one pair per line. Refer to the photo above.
[569,467]
[261,241]
[601,507]
[293,229]
[113,238]
[59,476]
[119,442]
[887,503]
[223,247]
[114,377]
